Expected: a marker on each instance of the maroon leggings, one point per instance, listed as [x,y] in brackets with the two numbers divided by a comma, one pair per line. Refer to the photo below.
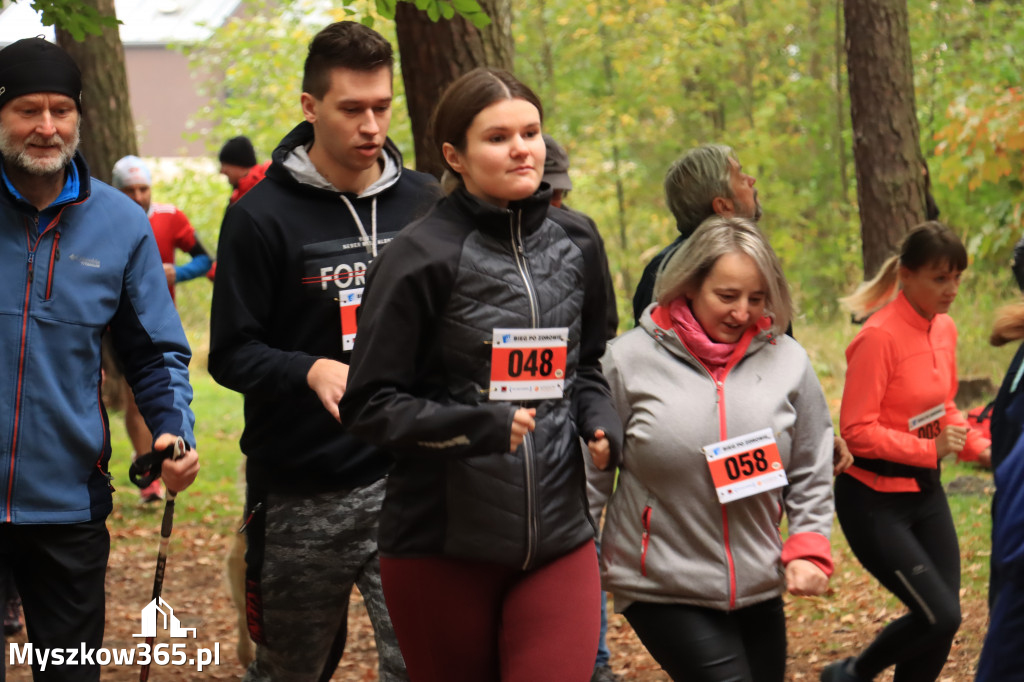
[475,621]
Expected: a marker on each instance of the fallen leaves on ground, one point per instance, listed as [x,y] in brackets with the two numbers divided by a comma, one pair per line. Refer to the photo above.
[821,629]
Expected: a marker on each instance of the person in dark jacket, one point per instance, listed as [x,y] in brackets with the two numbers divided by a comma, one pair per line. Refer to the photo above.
[705,181]
[1007,419]
[239,165]
[237,159]
[556,174]
[1002,657]
[78,257]
[478,367]
[293,257]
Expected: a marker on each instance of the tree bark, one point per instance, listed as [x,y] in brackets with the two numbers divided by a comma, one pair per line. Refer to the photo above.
[108,131]
[886,147]
[435,54]
[550,96]
[837,140]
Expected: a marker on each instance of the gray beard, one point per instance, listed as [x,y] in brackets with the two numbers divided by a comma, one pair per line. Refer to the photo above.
[20,158]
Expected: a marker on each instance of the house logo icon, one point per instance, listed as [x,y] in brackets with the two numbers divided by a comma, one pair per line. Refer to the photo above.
[151,618]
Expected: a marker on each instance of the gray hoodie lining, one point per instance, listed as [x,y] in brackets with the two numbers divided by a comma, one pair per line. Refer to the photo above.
[302,169]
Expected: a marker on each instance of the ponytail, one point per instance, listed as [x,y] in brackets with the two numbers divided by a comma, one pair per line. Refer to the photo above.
[870,296]
[1009,324]
[928,243]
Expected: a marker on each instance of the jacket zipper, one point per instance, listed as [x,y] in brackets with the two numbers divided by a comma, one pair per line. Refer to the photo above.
[29,275]
[54,256]
[931,347]
[31,245]
[723,434]
[645,522]
[519,252]
[515,225]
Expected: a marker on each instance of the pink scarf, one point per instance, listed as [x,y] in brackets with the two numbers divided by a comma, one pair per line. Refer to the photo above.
[713,354]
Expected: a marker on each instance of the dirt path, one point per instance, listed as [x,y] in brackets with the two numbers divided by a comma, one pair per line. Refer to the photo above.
[820,630]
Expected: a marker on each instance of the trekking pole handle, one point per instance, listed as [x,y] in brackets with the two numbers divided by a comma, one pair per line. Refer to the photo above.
[147,468]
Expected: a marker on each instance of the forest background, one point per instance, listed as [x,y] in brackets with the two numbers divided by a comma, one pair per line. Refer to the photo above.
[627,87]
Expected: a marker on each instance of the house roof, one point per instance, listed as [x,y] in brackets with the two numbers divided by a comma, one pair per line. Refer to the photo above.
[144,22]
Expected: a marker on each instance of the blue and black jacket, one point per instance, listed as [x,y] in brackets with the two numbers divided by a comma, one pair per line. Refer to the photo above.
[85,264]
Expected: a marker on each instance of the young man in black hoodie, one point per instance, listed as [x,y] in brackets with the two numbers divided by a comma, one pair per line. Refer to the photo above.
[293,255]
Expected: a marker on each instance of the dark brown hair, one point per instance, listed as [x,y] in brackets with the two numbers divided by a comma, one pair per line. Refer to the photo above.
[344,45]
[930,243]
[466,97]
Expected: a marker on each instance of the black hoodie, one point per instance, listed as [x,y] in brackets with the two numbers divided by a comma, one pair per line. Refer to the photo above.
[289,254]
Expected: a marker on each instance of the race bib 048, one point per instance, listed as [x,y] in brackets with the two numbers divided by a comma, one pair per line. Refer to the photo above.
[528,364]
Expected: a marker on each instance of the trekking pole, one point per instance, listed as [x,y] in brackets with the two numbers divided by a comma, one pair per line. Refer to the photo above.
[146,473]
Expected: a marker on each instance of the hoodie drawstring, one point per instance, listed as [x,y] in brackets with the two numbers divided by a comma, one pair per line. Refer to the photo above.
[359,223]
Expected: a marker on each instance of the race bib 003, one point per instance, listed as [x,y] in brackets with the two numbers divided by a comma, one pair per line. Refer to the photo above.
[926,424]
[528,364]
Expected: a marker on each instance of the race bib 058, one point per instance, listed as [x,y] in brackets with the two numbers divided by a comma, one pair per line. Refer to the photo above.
[745,465]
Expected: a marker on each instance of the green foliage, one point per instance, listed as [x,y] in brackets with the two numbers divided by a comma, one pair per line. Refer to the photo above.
[214,502]
[198,190]
[652,79]
[439,9]
[251,73]
[629,86]
[74,16]
[648,80]
[969,62]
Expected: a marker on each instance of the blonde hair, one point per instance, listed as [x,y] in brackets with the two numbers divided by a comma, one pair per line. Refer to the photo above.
[929,243]
[687,268]
[1009,324]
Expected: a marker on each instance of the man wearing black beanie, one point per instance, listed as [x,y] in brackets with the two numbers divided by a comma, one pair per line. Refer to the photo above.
[78,257]
[236,157]
[239,165]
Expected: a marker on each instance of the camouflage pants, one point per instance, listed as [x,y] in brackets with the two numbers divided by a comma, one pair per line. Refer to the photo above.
[304,554]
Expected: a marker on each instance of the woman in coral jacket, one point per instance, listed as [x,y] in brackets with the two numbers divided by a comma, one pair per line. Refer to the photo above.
[726,430]
[899,420]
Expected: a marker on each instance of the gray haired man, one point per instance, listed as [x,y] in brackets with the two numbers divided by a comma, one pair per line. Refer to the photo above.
[703,182]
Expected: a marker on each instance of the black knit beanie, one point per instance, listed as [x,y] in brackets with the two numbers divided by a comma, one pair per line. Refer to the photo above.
[238,151]
[34,65]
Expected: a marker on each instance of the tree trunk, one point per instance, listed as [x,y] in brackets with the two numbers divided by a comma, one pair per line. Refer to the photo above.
[550,85]
[435,54]
[108,131]
[837,140]
[886,149]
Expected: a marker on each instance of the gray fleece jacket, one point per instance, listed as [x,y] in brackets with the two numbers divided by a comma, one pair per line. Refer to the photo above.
[666,538]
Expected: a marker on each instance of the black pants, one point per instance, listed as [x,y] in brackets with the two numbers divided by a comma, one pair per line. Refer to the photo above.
[59,571]
[908,542]
[695,644]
